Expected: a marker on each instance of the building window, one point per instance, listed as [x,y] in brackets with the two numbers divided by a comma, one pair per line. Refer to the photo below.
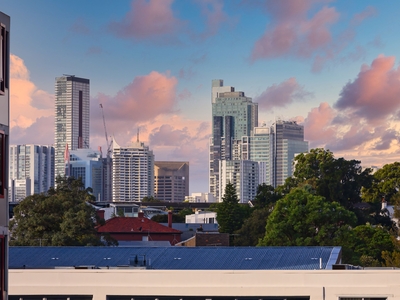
[3,59]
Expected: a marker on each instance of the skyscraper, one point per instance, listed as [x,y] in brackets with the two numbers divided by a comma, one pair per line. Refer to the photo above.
[72,117]
[171,180]
[32,167]
[277,146]
[288,142]
[133,172]
[233,115]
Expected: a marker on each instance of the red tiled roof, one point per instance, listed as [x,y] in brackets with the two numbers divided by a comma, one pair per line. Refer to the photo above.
[134,225]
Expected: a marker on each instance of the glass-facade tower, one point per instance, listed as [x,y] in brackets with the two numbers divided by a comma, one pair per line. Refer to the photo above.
[72,117]
[233,115]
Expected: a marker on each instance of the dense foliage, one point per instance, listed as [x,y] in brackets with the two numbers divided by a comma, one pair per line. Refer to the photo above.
[62,217]
[327,201]
[231,214]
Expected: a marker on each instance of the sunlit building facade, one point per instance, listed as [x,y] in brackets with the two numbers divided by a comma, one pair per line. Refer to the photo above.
[133,172]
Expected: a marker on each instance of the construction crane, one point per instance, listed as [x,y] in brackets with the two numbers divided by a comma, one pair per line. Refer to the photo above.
[109,144]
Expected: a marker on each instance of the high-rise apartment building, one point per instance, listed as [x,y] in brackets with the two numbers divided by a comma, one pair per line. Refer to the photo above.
[243,174]
[277,146]
[233,115]
[288,142]
[31,170]
[133,172]
[72,117]
[171,180]
[4,147]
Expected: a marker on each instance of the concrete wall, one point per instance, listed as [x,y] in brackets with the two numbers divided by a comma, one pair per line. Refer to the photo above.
[317,284]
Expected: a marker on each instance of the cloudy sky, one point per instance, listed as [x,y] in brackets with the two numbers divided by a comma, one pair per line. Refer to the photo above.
[330,65]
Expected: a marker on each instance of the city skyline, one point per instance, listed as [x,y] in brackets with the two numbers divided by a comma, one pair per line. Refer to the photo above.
[330,66]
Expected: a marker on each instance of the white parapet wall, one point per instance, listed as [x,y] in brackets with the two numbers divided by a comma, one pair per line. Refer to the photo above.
[102,283]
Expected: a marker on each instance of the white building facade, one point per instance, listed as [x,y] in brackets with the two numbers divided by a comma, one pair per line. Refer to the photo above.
[72,117]
[31,170]
[243,174]
[133,172]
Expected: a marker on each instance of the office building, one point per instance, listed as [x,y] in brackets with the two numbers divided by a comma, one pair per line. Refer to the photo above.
[133,172]
[288,142]
[31,170]
[87,165]
[72,117]
[277,146]
[171,180]
[233,115]
[4,148]
[243,174]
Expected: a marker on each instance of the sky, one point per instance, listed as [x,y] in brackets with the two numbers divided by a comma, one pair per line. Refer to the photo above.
[330,65]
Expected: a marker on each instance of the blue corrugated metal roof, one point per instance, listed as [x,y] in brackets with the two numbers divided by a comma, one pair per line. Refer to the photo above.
[178,258]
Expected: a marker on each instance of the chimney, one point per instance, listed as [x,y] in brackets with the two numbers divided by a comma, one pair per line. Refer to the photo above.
[141,215]
[170,218]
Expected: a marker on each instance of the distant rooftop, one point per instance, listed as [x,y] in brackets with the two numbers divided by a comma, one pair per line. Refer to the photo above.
[177,258]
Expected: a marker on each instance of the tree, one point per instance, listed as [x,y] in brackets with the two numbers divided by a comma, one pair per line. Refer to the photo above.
[230,214]
[337,180]
[62,217]
[253,228]
[365,245]
[304,219]
[385,184]
[266,195]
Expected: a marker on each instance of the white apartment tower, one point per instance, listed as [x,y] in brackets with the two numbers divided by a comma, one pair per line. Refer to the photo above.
[133,172]
[31,170]
[72,117]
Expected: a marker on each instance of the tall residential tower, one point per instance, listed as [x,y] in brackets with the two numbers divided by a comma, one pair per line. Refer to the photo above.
[233,116]
[133,172]
[72,117]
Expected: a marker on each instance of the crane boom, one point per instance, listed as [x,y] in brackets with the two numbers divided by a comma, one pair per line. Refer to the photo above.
[105,131]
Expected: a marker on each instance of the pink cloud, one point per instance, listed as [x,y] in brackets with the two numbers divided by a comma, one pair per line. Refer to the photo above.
[304,29]
[292,33]
[27,102]
[317,125]
[213,12]
[368,12]
[148,19]
[144,98]
[40,132]
[282,94]
[373,95]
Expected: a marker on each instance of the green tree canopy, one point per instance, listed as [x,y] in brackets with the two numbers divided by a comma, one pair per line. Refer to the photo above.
[304,219]
[365,245]
[62,217]
[253,228]
[231,214]
[337,180]
[385,184]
